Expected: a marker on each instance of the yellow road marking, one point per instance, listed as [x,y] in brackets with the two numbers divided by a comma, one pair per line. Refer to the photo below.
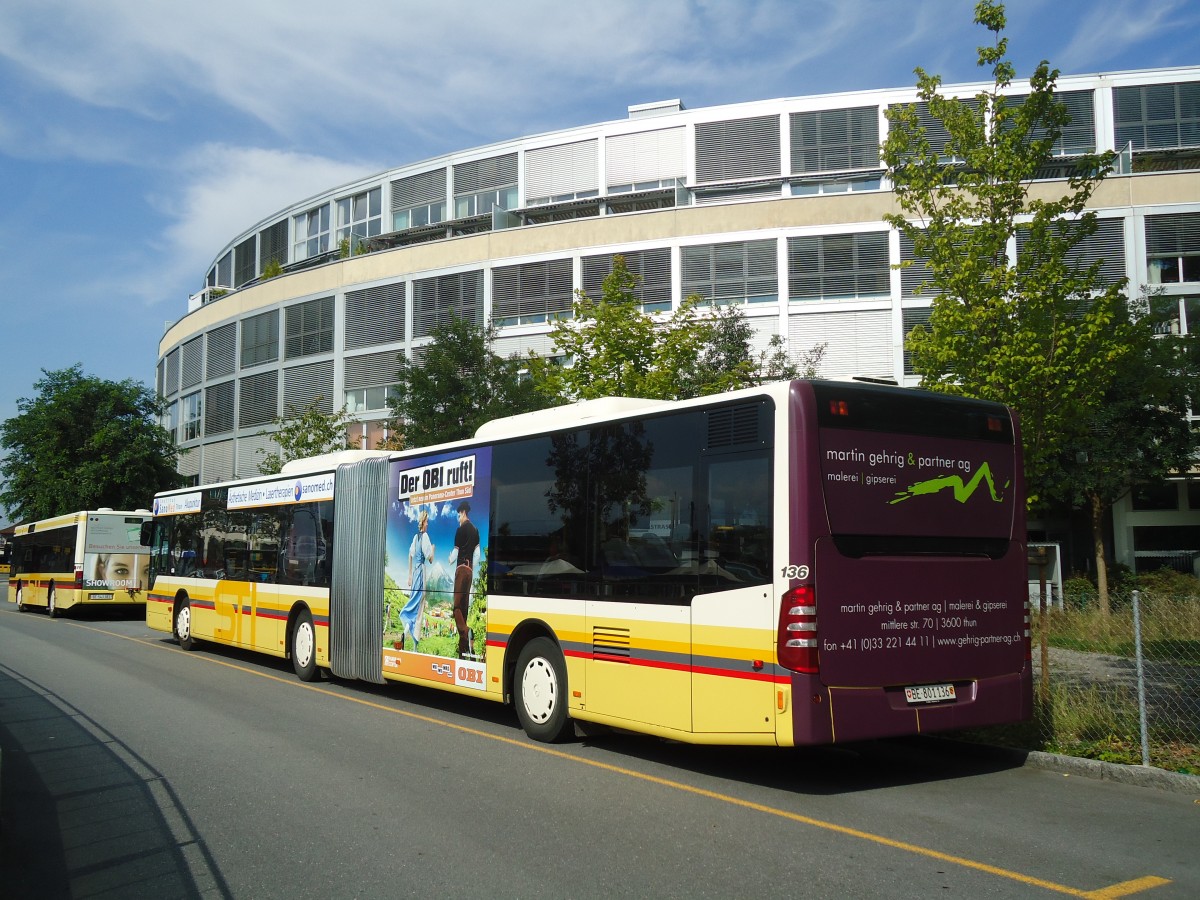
[1124,889]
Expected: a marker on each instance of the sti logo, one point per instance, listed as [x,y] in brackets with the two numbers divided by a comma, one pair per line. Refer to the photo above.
[299,491]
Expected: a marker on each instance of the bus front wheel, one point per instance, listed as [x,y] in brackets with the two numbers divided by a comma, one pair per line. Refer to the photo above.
[183,625]
[21,600]
[304,647]
[541,690]
[51,607]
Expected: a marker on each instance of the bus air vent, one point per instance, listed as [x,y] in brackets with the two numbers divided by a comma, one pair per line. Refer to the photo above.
[733,425]
[610,643]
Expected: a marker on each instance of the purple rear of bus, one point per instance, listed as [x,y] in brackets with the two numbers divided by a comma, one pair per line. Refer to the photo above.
[908,612]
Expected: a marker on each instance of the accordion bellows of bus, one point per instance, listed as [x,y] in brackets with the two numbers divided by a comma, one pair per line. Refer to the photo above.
[807,562]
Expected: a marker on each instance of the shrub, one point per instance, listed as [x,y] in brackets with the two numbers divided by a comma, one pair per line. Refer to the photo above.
[1079,593]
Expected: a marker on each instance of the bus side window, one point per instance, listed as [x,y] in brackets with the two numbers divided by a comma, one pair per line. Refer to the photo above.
[739,505]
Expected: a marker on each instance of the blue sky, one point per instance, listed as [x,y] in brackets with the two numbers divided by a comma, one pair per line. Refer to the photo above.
[139,136]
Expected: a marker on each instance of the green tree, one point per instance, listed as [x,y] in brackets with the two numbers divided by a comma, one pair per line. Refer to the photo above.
[303,433]
[1044,333]
[617,350]
[460,384]
[1140,433]
[83,443]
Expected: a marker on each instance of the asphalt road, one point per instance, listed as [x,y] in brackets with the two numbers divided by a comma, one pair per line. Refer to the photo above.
[133,769]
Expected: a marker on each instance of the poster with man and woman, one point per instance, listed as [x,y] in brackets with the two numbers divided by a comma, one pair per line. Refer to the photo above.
[437,531]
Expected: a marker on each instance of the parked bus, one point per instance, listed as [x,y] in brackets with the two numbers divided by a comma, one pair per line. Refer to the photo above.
[82,558]
[807,562]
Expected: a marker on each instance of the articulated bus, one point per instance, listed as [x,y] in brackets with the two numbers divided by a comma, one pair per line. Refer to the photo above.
[802,563]
[82,558]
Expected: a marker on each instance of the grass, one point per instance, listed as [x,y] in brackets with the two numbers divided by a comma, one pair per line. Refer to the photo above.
[1098,719]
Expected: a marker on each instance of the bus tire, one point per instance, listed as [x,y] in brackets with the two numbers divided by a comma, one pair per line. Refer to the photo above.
[21,607]
[183,625]
[304,646]
[51,608]
[540,691]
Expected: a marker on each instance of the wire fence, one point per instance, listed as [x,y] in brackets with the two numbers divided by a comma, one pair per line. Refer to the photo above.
[1121,685]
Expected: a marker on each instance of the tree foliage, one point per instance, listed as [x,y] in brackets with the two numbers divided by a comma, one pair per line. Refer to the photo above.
[615,349]
[84,443]
[1045,333]
[306,432]
[460,384]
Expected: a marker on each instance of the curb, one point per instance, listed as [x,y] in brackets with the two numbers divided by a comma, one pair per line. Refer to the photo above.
[1141,776]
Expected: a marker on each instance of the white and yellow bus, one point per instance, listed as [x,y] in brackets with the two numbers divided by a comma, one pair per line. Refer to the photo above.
[801,563]
[81,558]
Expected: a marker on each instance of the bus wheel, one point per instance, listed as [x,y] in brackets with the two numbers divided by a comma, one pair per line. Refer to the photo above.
[304,647]
[21,600]
[183,625]
[541,690]
[51,609]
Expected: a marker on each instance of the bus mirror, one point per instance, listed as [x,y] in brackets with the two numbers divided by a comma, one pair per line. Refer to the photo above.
[147,534]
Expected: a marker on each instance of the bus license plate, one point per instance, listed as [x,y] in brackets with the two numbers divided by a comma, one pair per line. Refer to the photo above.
[929,693]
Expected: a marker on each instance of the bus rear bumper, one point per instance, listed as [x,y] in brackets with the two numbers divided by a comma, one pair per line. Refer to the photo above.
[827,715]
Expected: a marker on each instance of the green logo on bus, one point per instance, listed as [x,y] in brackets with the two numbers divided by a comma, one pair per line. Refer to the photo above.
[962,492]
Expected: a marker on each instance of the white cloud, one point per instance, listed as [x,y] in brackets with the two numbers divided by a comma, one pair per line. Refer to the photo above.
[221,191]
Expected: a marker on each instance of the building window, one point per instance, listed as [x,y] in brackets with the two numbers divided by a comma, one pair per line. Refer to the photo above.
[1173,248]
[838,266]
[369,381]
[843,184]
[193,409]
[737,149]
[531,293]
[1156,497]
[734,272]
[272,244]
[835,140]
[245,257]
[169,418]
[484,184]
[359,216]
[1175,314]
[419,200]
[1157,116]
[312,233]
[260,339]
[367,399]
[653,271]
[561,174]
[308,328]
[438,300]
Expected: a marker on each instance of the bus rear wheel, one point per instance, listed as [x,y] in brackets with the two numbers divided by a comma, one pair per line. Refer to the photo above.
[183,625]
[21,607]
[51,607]
[304,647]
[541,691]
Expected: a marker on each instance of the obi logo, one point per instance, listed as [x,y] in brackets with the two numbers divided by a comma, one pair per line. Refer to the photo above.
[444,669]
[470,676]
[299,492]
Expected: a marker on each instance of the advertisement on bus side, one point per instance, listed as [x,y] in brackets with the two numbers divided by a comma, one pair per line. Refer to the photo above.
[434,609]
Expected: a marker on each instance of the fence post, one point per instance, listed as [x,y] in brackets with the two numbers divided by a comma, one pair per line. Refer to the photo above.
[1141,677]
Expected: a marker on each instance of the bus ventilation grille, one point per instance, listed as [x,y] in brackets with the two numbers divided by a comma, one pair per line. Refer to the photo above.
[611,644]
[733,425]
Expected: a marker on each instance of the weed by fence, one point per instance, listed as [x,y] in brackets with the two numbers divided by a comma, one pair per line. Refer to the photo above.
[1086,698]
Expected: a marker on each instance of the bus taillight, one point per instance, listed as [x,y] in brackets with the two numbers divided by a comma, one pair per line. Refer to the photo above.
[79,578]
[798,630]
